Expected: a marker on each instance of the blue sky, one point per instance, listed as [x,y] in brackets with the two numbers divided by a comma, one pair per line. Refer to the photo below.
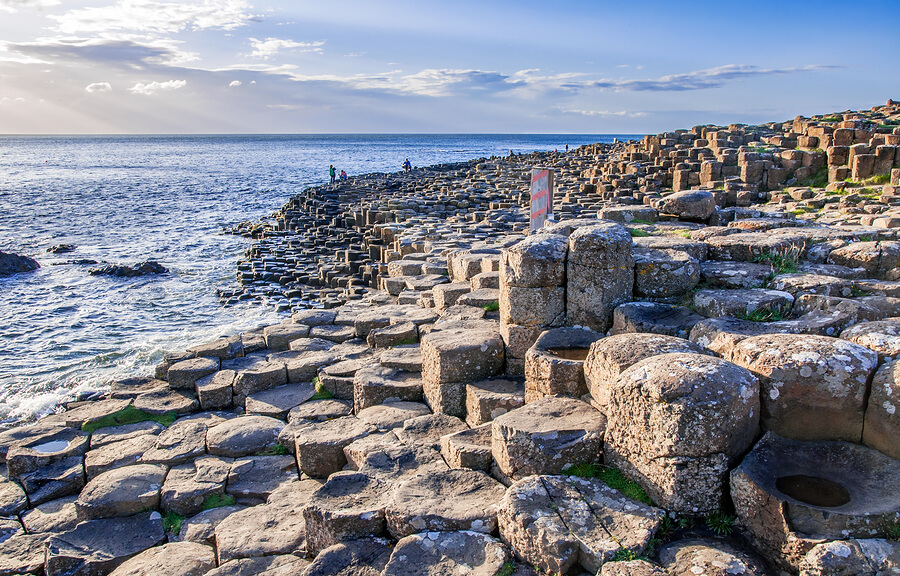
[245,66]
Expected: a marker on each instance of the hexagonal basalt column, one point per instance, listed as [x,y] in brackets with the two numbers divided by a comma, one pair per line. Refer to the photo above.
[555,364]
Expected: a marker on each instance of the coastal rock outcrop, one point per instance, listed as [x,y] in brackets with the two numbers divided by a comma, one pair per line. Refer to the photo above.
[13,264]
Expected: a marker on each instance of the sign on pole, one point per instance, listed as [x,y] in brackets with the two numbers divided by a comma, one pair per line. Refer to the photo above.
[541,197]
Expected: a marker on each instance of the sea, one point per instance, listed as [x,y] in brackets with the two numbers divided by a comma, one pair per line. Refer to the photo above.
[65,335]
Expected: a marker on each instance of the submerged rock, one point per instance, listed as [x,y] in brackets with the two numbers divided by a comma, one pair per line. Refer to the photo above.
[123,271]
[13,263]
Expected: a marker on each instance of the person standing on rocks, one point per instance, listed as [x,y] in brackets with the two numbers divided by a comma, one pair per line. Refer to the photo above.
[407,166]
[331,172]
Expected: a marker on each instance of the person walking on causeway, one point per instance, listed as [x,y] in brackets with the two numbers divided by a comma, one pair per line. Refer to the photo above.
[331,172]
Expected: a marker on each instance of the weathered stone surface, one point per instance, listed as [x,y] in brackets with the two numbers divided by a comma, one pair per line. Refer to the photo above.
[535,262]
[277,402]
[362,557]
[90,412]
[276,527]
[877,258]
[654,317]
[162,400]
[863,557]
[173,559]
[52,445]
[256,477]
[117,454]
[14,263]
[457,499]
[215,392]
[664,273]
[111,434]
[730,274]
[348,506]
[468,448]
[545,306]
[799,283]
[882,336]
[790,495]
[275,565]
[12,498]
[188,485]
[185,374]
[313,317]
[121,492]
[320,446]
[427,430]
[182,441]
[715,303]
[632,568]
[721,334]
[602,250]
[554,364]
[811,387]
[557,522]
[98,546]
[711,557]
[691,247]
[610,356]
[26,433]
[480,298]
[439,553]
[224,348]
[243,436]
[378,385]
[547,436]
[279,336]
[395,462]
[750,246]
[201,528]
[55,516]
[53,481]
[255,374]
[882,421]
[487,399]
[22,554]
[688,204]
[676,423]
[319,411]
[407,357]
[393,414]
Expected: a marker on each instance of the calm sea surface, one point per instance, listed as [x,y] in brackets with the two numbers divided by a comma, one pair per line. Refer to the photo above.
[123,199]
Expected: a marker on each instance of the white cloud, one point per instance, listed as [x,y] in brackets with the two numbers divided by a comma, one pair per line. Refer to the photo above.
[271,46]
[13,6]
[154,87]
[601,113]
[234,83]
[107,51]
[7,100]
[696,80]
[150,16]
[99,87]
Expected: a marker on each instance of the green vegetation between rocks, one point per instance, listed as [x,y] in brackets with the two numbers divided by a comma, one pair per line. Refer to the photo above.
[171,522]
[762,315]
[612,477]
[818,179]
[322,393]
[404,342]
[492,306]
[507,569]
[129,415]
[637,233]
[780,263]
[274,450]
[217,501]
[720,522]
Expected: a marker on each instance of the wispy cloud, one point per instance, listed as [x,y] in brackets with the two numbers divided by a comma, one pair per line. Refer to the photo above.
[13,6]
[99,87]
[107,51]
[269,47]
[696,80]
[149,16]
[234,83]
[601,113]
[154,87]
[6,100]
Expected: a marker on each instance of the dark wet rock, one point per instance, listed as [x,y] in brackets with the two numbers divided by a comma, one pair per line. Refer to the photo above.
[350,505]
[124,271]
[61,248]
[13,263]
[363,557]
[54,516]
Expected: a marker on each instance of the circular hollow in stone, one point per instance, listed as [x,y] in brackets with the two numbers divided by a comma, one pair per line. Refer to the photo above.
[578,354]
[813,490]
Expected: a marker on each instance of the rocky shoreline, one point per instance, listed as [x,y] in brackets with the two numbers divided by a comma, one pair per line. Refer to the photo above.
[692,371]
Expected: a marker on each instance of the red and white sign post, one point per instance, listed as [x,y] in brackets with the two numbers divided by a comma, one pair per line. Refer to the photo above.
[541,197]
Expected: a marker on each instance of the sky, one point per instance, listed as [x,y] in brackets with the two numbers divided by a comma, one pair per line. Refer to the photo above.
[423,66]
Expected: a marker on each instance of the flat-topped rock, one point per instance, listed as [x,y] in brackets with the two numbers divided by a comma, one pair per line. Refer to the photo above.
[535,262]
[487,399]
[180,442]
[556,523]
[877,258]
[188,485]
[201,527]
[277,402]
[439,553]
[243,436]
[882,336]
[811,387]
[377,384]
[254,478]
[734,274]
[121,492]
[175,559]
[468,448]
[406,357]
[749,246]
[554,364]
[427,430]
[162,400]
[609,357]
[547,436]
[458,499]
[185,374]
[800,283]
[348,506]
[117,454]
[654,317]
[664,273]
[320,410]
[711,557]
[62,478]
[103,436]
[393,462]
[715,303]
[45,447]
[393,414]
[320,446]
[362,557]
[54,516]
[22,554]
[279,336]
[99,546]
[693,248]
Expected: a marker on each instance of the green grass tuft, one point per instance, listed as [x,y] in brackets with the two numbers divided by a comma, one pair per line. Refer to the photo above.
[637,233]
[832,119]
[129,415]
[507,569]
[274,450]
[780,263]
[612,477]
[322,393]
[623,555]
[171,522]
[217,501]
[818,179]
[720,523]
[492,306]
[893,531]
[762,315]
[406,341]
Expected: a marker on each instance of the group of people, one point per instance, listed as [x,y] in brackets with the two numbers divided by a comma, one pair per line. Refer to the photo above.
[332,173]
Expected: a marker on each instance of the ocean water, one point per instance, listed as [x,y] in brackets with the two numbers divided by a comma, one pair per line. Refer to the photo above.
[124,199]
